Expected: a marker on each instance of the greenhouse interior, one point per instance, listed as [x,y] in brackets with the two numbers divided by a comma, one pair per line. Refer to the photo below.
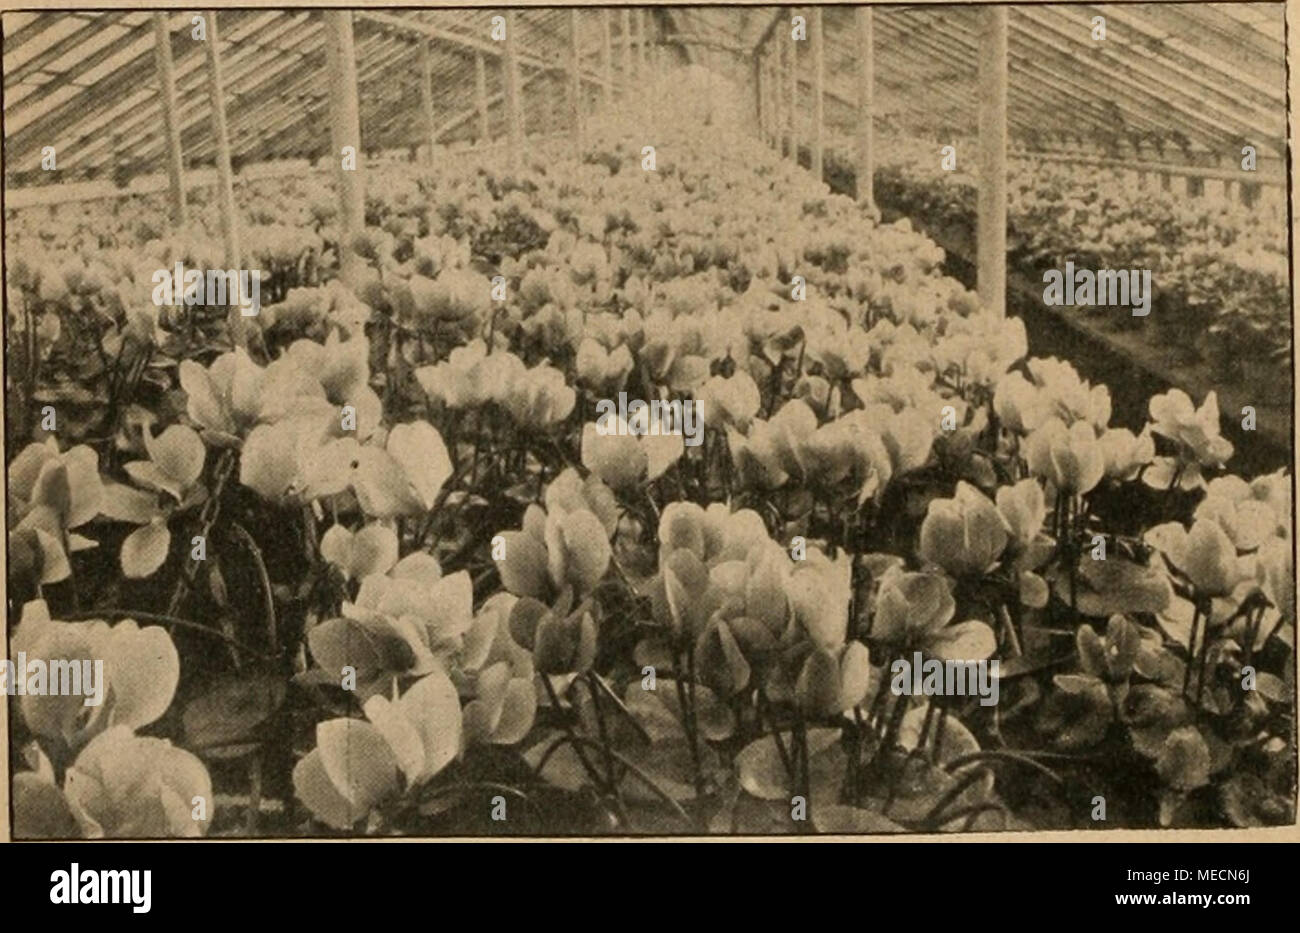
[665,420]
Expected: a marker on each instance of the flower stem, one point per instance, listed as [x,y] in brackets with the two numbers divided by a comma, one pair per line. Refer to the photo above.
[645,779]
[1204,654]
[268,595]
[207,518]
[1008,756]
[764,711]
[600,725]
[953,794]
[163,619]
[688,723]
[1009,627]
[569,731]
[1191,647]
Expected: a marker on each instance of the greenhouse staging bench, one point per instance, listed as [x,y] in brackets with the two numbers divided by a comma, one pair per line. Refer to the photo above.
[1274,409]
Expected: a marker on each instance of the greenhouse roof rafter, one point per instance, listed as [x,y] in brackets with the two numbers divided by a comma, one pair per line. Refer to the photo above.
[1050,92]
[1142,82]
[247,64]
[953,46]
[1205,76]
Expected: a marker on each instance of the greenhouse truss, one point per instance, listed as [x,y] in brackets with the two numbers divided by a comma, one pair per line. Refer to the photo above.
[648,421]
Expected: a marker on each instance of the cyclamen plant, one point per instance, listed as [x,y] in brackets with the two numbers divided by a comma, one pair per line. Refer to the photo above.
[1222,268]
[434,598]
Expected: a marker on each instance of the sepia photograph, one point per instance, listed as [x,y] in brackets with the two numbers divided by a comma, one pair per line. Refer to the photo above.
[635,422]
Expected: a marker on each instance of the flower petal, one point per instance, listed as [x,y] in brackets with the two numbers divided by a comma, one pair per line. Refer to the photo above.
[419,449]
[178,453]
[145,549]
[433,705]
[143,670]
[358,761]
[314,788]
[966,641]
[374,550]
[400,733]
